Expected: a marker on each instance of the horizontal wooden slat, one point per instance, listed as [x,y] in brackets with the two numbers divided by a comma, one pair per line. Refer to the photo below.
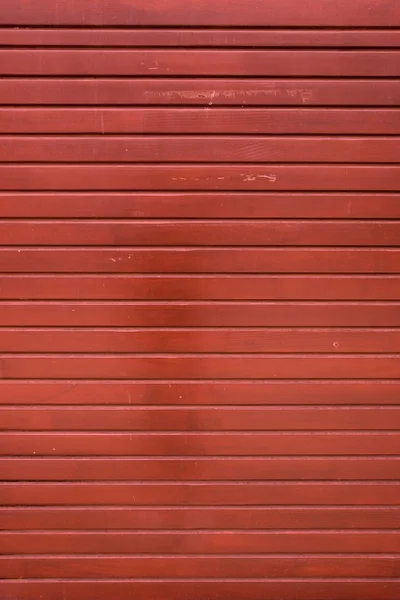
[195,177]
[114,149]
[154,62]
[199,287]
[206,92]
[198,120]
[198,393]
[200,314]
[200,366]
[283,517]
[198,494]
[137,37]
[199,260]
[200,233]
[338,13]
[199,340]
[216,589]
[198,444]
[198,542]
[192,567]
[203,419]
[178,205]
[199,469]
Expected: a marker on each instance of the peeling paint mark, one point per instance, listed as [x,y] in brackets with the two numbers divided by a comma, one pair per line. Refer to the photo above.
[212,97]
[254,176]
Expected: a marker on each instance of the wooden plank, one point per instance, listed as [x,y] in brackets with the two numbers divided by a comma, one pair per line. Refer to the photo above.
[204,566]
[204,177]
[147,418]
[200,314]
[198,393]
[183,205]
[200,287]
[197,444]
[200,366]
[63,542]
[216,589]
[199,494]
[194,120]
[199,469]
[138,37]
[199,260]
[190,91]
[199,233]
[232,149]
[189,62]
[199,340]
[283,517]
[280,13]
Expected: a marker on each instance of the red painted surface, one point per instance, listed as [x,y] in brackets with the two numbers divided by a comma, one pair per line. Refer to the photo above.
[200,300]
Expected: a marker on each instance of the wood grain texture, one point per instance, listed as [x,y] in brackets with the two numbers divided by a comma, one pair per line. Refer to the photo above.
[281,13]
[156,120]
[159,91]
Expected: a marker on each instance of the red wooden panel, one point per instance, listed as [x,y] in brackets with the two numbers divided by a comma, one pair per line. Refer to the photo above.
[199,287]
[216,589]
[201,314]
[199,494]
[203,419]
[130,518]
[200,366]
[189,91]
[339,13]
[200,205]
[200,233]
[137,37]
[199,382]
[199,260]
[207,149]
[259,63]
[204,566]
[199,392]
[214,542]
[199,340]
[199,444]
[198,120]
[199,469]
[194,177]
